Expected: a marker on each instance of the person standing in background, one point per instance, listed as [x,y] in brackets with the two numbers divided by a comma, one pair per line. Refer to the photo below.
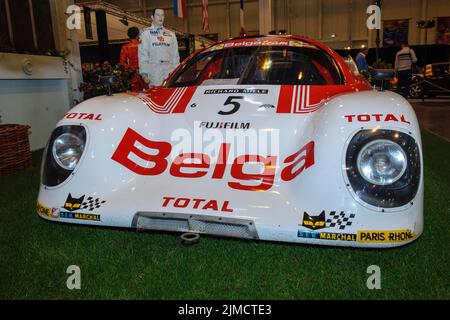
[129,52]
[361,60]
[129,58]
[158,51]
[404,61]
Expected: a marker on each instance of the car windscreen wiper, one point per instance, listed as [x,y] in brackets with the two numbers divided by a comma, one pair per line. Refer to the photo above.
[250,65]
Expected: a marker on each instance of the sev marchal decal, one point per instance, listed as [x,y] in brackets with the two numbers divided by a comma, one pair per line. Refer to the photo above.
[339,220]
[74,204]
[91,203]
[79,216]
[336,220]
[327,235]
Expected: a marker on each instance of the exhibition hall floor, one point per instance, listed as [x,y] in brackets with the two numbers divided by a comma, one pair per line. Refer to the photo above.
[434,115]
[124,264]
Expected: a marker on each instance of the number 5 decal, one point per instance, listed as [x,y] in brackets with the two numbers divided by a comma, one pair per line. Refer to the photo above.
[236,105]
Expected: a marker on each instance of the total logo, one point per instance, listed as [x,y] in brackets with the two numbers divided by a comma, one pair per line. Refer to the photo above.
[199,204]
[83,116]
[378,117]
[198,165]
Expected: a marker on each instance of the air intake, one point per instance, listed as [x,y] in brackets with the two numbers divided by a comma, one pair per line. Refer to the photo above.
[179,222]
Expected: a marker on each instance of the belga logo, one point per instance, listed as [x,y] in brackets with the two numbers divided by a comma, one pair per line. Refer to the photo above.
[203,165]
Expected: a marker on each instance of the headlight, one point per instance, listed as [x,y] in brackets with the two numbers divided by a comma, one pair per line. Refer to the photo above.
[64,151]
[383,167]
[67,150]
[381,162]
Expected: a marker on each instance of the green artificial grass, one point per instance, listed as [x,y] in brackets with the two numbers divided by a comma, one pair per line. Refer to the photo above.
[123,264]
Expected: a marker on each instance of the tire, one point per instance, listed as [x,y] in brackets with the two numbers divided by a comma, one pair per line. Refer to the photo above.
[415,91]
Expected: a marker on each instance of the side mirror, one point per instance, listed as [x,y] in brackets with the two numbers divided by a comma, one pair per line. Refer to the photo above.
[108,81]
[383,75]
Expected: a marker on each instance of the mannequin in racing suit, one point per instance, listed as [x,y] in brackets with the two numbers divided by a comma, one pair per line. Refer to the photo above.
[158,51]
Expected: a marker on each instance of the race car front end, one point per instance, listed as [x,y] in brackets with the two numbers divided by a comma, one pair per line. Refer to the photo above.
[377,150]
[274,139]
[338,176]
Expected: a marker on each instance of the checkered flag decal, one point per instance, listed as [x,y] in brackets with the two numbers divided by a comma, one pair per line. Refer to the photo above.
[92,203]
[339,220]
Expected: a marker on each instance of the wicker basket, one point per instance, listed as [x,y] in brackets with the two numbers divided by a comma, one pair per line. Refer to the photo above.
[15,153]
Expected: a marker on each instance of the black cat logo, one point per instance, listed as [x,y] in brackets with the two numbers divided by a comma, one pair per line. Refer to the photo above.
[314,222]
[73,204]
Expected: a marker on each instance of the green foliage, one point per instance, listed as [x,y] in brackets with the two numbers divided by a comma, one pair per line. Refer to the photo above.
[380,64]
[92,73]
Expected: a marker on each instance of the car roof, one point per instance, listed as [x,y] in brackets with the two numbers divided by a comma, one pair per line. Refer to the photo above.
[348,74]
[273,36]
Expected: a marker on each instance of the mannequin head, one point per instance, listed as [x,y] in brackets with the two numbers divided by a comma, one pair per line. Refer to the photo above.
[158,17]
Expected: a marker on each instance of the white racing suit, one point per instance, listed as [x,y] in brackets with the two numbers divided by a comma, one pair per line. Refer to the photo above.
[158,54]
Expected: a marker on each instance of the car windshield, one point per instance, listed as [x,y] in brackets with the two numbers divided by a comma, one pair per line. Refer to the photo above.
[263,65]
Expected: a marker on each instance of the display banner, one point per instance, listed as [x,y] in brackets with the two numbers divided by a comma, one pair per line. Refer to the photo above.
[179,8]
[241,18]
[88,22]
[395,32]
[443,30]
[205,18]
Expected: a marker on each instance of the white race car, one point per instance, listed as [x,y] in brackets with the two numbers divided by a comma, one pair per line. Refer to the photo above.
[268,137]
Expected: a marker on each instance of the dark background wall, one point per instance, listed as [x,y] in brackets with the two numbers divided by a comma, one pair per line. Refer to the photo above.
[23,40]
[90,53]
[434,53]
[430,53]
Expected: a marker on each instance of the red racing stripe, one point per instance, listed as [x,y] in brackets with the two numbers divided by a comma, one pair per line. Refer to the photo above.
[184,101]
[285,99]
